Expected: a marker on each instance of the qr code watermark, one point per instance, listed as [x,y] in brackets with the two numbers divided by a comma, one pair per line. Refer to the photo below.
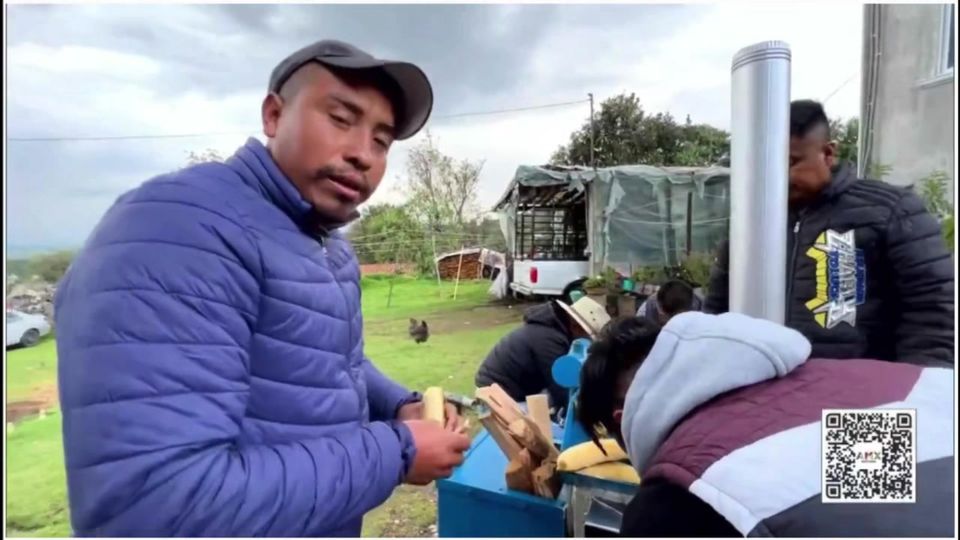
[869,456]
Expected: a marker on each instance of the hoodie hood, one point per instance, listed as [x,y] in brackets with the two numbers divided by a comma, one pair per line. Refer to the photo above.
[696,358]
[545,315]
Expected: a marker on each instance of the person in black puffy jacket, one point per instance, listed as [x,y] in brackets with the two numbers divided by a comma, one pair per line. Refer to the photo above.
[522,362]
[868,272]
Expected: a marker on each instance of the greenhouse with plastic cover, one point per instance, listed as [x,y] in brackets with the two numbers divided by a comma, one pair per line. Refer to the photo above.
[563,224]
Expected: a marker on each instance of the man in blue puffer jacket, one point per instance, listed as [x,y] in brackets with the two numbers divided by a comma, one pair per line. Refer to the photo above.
[212,374]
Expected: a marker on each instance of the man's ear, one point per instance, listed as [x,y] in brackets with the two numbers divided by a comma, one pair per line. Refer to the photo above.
[270,114]
[618,416]
[830,154]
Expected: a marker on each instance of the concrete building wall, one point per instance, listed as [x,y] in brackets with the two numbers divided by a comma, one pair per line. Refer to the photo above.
[908,92]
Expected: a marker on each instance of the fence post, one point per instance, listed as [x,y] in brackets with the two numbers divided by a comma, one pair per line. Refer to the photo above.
[459,267]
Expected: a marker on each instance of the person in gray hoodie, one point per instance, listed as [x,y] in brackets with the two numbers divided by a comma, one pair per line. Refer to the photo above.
[722,417]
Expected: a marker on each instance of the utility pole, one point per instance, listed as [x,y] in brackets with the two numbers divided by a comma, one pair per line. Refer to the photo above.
[591,227]
[593,162]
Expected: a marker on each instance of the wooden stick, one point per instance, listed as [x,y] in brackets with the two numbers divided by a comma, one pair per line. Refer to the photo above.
[503,399]
[546,481]
[539,409]
[456,287]
[528,435]
[436,263]
[501,404]
[396,264]
[519,473]
[506,443]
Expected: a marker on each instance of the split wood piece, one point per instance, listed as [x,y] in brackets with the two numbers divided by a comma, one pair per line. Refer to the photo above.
[510,447]
[546,481]
[520,473]
[529,436]
[539,409]
[500,403]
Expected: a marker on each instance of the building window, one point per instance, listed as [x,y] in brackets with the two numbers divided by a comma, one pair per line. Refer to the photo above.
[947,43]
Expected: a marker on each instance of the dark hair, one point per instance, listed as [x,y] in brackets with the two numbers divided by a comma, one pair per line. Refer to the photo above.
[807,115]
[623,344]
[675,296]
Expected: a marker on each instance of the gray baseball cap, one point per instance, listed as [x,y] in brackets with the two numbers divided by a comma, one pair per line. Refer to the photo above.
[415,92]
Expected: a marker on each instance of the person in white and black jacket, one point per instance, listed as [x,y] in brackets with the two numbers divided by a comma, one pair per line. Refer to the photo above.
[868,272]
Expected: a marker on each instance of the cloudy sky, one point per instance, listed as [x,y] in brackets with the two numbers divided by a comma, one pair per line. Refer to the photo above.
[116,71]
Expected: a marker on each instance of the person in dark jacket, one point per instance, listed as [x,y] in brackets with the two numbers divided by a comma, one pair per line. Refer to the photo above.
[868,275]
[673,298]
[733,446]
[521,363]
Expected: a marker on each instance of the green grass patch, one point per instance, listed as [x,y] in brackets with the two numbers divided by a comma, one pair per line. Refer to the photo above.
[36,480]
[447,360]
[31,370]
[412,296]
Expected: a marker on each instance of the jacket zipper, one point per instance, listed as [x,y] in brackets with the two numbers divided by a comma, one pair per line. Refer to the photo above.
[792,268]
[322,239]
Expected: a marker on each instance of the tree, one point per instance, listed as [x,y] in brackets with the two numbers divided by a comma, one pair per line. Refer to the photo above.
[626,134]
[442,191]
[485,232]
[52,266]
[387,233]
[933,190]
[845,135]
[702,145]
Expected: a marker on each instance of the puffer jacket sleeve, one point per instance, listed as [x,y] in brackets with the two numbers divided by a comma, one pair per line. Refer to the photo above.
[385,396]
[718,293]
[155,320]
[922,271]
[544,346]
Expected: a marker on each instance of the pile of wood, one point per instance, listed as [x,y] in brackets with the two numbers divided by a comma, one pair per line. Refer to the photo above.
[470,267]
[526,440]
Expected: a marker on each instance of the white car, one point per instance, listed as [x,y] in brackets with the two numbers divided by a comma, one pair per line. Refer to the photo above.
[25,329]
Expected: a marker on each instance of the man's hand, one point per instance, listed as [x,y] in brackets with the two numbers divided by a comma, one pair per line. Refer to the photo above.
[439,450]
[414,411]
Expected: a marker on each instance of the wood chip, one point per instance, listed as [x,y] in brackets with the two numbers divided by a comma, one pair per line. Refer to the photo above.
[520,473]
[500,403]
[546,481]
[503,439]
[529,437]
[539,408]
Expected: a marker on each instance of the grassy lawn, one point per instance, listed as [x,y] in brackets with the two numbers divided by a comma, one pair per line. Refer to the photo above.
[462,331]
[31,371]
[412,296]
[36,481]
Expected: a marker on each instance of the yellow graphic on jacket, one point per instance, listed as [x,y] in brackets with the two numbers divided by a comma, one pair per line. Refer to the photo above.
[840,277]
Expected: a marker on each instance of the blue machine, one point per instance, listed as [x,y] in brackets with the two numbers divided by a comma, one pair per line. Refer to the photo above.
[475,501]
[566,373]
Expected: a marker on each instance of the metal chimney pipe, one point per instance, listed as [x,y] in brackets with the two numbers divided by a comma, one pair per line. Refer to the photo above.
[759,158]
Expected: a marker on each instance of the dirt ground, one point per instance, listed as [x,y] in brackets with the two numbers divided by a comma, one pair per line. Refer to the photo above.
[42,399]
[385,268]
[477,318]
